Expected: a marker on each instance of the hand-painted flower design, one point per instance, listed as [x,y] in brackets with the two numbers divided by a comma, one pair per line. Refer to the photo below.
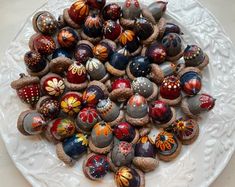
[126,36]
[123,176]
[164,141]
[88,115]
[71,105]
[55,87]
[82,138]
[102,128]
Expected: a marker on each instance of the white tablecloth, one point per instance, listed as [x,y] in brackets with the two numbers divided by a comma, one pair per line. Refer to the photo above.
[14,13]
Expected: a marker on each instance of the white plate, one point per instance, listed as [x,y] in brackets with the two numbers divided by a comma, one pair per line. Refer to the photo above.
[197,165]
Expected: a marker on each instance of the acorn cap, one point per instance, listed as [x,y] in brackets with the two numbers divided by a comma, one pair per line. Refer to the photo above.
[86,42]
[24,80]
[63,156]
[60,64]
[20,122]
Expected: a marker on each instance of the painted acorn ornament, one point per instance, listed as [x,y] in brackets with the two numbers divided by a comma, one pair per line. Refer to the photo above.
[138,67]
[171,28]
[104,50]
[111,11]
[27,88]
[170,90]
[195,57]
[36,64]
[92,30]
[61,21]
[117,63]
[131,9]
[76,78]
[96,70]
[111,30]
[67,37]
[44,22]
[92,95]
[96,4]
[71,103]
[76,14]
[137,111]
[83,51]
[195,105]
[186,131]
[101,139]
[173,45]
[129,40]
[121,90]
[190,79]
[30,122]
[159,72]
[86,119]
[59,129]
[95,166]
[156,53]
[157,9]
[43,44]
[145,87]
[72,148]
[145,154]
[52,85]
[168,146]
[121,155]
[48,107]
[161,114]
[126,132]
[129,177]
[110,112]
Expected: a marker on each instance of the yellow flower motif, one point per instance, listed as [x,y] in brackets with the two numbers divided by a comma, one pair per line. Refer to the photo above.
[55,87]
[164,141]
[70,105]
[82,138]
[123,176]
[77,68]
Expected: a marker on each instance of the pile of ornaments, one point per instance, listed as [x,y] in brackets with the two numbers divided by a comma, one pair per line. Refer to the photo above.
[101,77]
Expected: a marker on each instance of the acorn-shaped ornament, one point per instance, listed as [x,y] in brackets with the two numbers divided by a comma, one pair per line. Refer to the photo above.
[158,72]
[61,60]
[145,155]
[72,148]
[173,45]
[76,14]
[121,155]
[96,4]
[96,70]
[156,53]
[111,11]
[195,105]
[110,112]
[145,87]
[52,85]
[171,28]
[83,51]
[48,107]
[27,88]
[195,57]
[138,67]
[45,23]
[157,9]
[190,79]
[92,30]
[129,177]
[30,122]
[101,139]
[168,146]
[86,119]
[36,64]
[161,114]
[126,132]
[170,90]
[121,90]
[60,129]
[67,37]
[137,111]
[95,166]
[76,78]
[111,30]
[71,103]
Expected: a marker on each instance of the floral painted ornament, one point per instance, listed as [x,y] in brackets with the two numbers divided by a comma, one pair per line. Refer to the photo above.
[52,85]
[72,148]
[71,103]
[168,146]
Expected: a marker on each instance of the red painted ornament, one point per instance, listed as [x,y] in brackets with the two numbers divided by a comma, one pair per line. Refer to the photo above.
[96,4]
[111,11]
[76,73]
[112,30]
[156,53]
[121,83]
[124,132]
[170,88]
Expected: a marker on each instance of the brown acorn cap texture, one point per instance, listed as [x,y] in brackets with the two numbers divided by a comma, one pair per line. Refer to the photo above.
[24,81]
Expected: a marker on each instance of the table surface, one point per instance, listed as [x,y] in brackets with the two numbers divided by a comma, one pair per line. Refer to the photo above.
[14,14]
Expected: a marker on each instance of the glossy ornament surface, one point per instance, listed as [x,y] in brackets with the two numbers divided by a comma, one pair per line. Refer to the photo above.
[111,11]
[124,132]
[76,73]
[67,37]
[131,9]
[193,55]
[111,30]
[129,40]
[93,26]
[172,43]
[143,28]
[95,69]
[142,86]
[92,95]
[118,62]
[96,4]
[156,53]
[157,9]
[79,11]
[83,52]
[34,61]
[121,83]
[87,118]
[139,66]
[145,147]
[171,28]
[71,103]
[45,23]
[170,88]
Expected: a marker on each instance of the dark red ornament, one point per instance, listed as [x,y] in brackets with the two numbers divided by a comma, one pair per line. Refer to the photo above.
[93,26]
[170,88]
[67,37]
[156,53]
[76,73]
[96,4]
[83,51]
[111,30]
[143,28]
[111,11]
[121,83]
[34,61]
[124,132]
